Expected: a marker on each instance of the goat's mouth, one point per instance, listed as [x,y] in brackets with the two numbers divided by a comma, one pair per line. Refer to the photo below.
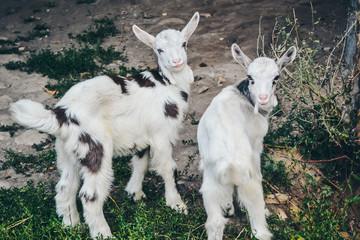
[263,102]
[178,66]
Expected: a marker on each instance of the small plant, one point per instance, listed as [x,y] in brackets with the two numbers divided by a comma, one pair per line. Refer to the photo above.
[96,33]
[41,162]
[50,4]
[11,129]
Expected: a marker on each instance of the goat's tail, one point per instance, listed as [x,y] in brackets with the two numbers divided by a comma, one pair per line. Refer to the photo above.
[33,115]
[234,173]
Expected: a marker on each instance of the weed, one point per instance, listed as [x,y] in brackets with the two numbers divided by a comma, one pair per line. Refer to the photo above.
[69,66]
[40,162]
[50,4]
[11,129]
[96,33]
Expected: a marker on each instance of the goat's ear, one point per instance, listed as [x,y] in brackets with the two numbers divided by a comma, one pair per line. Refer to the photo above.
[191,26]
[239,56]
[145,37]
[286,58]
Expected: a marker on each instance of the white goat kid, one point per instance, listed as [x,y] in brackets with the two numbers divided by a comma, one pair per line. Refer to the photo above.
[110,115]
[230,136]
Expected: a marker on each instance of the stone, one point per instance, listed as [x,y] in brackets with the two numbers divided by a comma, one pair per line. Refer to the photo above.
[221,81]
[274,199]
[29,137]
[4,101]
[203,89]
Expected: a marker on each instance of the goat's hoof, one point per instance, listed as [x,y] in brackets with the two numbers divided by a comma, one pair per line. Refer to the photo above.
[180,207]
[139,195]
[102,233]
[263,235]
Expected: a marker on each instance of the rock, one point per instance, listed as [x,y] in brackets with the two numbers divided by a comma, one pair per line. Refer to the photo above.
[281,213]
[3,38]
[203,89]
[4,101]
[2,85]
[207,15]
[5,184]
[30,137]
[221,81]
[169,21]
[274,199]
[4,135]
[127,29]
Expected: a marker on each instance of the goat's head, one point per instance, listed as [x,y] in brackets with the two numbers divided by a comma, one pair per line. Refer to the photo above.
[263,73]
[170,45]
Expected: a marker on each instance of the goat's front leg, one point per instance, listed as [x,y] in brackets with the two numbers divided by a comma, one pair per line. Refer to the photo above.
[140,162]
[251,196]
[165,166]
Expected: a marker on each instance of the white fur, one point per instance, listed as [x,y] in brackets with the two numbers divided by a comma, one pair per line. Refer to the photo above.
[230,137]
[110,121]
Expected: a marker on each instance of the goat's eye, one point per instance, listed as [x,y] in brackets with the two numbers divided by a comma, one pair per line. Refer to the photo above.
[184,45]
[160,51]
[277,77]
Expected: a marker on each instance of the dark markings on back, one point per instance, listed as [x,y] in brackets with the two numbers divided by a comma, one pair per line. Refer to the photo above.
[171,110]
[88,198]
[143,81]
[95,154]
[184,95]
[60,113]
[158,77]
[119,81]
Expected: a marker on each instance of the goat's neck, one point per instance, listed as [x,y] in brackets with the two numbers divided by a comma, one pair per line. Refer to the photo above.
[182,79]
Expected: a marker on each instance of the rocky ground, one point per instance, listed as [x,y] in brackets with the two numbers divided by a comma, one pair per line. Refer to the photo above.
[222,23]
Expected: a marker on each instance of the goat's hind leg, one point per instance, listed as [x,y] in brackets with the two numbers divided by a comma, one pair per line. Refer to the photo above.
[140,163]
[97,175]
[251,196]
[217,198]
[67,187]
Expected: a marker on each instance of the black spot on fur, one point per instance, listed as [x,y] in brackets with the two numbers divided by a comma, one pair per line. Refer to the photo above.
[243,88]
[62,118]
[95,154]
[141,153]
[171,110]
[88,198]
[120,81]
[157,76]
[163,77]
[143,81]
[184,95]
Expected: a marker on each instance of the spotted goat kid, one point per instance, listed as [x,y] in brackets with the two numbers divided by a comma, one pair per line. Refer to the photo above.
[230,136]
[109,115]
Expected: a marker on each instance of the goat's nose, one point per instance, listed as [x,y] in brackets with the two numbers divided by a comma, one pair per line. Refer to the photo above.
[177,60]
[263,96]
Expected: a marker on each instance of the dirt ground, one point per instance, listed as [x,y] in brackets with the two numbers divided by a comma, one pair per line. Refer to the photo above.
[222,23]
